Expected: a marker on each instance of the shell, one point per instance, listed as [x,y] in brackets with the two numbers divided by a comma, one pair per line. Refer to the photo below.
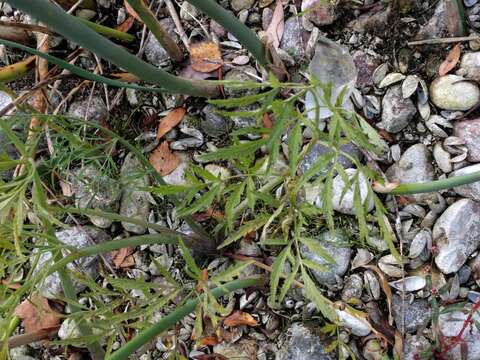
[391,79]
[380,73]
[362,258]
[419,243]
[389,265]
[372,284]
[409,86]
[409,284]
[422,92]
[424,110]
[442,158]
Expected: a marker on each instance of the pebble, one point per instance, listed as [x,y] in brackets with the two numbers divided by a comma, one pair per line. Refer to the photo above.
[94,190]
[238,5]
[470,66]
[77,237]
[457,235]
[343,201]
[94,110]
[294,38]
[471,191]
[366,65]
[188,12]
[337,249]
[414,345]
[135,203]
[240,73]
[214,124]
[450,92]
[352,290]
[469,132]
[244,349]
[304,344]
[450,324]
[414,166]
[416,315]
[154,51]
[397,112]
[319,12]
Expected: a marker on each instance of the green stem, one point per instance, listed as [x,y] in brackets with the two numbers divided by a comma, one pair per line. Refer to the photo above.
[151,239]
[107,31]
[17,70]
[73,29]
[156,28]
[241,32]
[168,321]
[444,184]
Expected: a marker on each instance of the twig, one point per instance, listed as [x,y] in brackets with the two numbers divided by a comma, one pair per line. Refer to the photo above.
[443,40]
[178,24]
[24,339]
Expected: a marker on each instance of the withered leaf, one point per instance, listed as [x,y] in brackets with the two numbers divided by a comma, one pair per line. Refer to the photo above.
[163,159]
[205,56]
[451,61]
[36,314]
[238,318]
[172,119]
[123,258]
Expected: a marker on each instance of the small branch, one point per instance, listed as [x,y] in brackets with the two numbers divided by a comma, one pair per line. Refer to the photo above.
[24,339]
[156,28]
[107,31]
[178,24]
[443,40]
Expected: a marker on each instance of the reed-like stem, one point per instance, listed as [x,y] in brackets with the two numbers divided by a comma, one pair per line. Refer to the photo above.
[107,31]
[17,70]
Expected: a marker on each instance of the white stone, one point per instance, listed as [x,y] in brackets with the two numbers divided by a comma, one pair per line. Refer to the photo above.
[451,92]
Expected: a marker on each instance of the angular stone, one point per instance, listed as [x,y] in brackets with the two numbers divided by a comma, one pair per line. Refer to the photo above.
[135,203]
[415,165]
[304,344]
[294,39]
[471,191]
[470,65]
[397,112]
[416,314]
[366,65]
[457,235]
[469,131]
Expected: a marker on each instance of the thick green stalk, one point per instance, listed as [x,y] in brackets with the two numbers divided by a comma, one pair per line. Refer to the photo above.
[444,184]
[151,239]
[168,321]
[241,32]
[156,28]
[107,31]
[71,28]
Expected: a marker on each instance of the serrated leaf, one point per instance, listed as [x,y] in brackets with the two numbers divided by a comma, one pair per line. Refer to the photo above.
[242,101]
[287,284]
[249,226]
[372,134]
[251,198]
[322,303]
[385,228]
[232,201]
[315,265]
[204,174]
[163,190]
[165,273]
[315,246]
[231,272]
[201,203]
[294,147]
[277,270]
[191,264]
[234,151]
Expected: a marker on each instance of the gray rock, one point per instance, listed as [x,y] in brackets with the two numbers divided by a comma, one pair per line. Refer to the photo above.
[397,112]
[294,40]
[414,346]
[471,191]
[304,344]
[446,21]
[416,315]
[238,5]
[343,201]
[415,165]
[245,121]
[352,290]
[214,124]
[470,65]
[457,235]
[78,237]
[337,248]
[469,131]
[94,111]
[20,353]
[451,323]
[240,73]
[319,150]
[134,203]
[320,12]
[366,66]
[154,51]
[452,92]
[244,349]
[94,190]
[188,12]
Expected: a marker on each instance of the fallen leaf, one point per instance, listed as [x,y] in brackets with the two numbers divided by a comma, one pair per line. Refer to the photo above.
[125,77]
[126,25]
[239,318]
[207,215]
[66,187]
[205,56]
[36,314]
[123,258]
[10,285]
[208,341]
[451,61]
[163,159]
[172,119]
[132,12]
[274,32]
[189,73]
[267,121]
[386,135]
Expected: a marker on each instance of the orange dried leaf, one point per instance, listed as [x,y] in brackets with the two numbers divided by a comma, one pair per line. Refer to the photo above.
[123,257]
[132,12]
[163,160]
[126,25]
[36,314]
[267,121]
[209,341]
[239,318]
[172,119]
[205,56]
[451,61]
[275,30]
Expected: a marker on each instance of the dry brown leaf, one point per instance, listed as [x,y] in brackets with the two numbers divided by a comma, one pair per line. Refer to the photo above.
[163,160]
[274,32]
[239,318]
[126,25]
[125,77]
[205,56]
[208,341]
[451,61]
[267,121]
[385,287]
[172,119]
[123,258]
[132,12]
[36,314]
